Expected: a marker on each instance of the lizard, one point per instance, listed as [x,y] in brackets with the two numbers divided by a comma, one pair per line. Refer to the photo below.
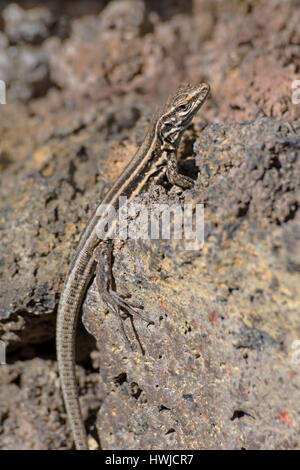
[154,159]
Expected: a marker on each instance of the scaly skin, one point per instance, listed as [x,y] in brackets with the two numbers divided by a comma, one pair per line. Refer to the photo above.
[156,156]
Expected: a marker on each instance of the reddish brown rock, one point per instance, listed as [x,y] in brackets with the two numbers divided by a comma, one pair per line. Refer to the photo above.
[82,81]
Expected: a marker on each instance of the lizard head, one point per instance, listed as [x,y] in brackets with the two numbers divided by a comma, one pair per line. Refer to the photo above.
[179,112]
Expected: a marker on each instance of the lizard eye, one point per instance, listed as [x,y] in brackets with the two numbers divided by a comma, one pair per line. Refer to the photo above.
[183,107]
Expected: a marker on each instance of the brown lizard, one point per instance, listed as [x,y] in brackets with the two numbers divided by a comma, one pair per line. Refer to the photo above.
[156,156]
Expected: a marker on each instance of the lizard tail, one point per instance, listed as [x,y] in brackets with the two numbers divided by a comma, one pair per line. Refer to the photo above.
[68,312]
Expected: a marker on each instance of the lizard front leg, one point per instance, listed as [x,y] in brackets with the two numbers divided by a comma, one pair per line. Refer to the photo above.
[106,287]
[174,177]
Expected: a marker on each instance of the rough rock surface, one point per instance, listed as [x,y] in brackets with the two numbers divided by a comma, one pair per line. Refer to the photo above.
[217,370]
[83,78]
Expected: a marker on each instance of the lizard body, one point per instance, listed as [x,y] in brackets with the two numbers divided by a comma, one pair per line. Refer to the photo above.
[157,155]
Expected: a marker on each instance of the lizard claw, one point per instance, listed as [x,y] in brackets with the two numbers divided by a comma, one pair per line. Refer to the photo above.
[123,308]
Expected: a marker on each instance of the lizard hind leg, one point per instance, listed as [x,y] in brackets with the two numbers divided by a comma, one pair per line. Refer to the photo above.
[106,287]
